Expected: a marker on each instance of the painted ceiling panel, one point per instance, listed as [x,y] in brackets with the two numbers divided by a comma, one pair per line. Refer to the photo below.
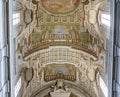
[60,6]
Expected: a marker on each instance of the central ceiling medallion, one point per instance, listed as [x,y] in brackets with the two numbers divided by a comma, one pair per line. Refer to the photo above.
[60,6]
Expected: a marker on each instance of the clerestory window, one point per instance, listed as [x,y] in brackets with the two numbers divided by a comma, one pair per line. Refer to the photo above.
[16,18]
[105,19]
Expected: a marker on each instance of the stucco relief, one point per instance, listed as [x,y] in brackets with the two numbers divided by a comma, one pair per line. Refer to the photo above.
[91,73]
[28,74]
[28,16]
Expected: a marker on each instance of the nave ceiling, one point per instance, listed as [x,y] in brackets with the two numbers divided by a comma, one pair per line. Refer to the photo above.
[60,39]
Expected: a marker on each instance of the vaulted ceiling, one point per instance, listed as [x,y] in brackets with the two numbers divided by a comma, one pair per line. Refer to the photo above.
[60,39]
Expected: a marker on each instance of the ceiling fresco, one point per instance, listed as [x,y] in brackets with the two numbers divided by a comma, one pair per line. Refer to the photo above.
[60,6]
[60,39]
[60,71]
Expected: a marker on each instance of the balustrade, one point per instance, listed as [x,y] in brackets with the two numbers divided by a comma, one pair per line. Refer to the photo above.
[61,40]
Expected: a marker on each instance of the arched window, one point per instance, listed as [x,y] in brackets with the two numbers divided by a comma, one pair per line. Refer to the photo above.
[17,11]
[105,19]
[103,86]
[17,87]
[16,18]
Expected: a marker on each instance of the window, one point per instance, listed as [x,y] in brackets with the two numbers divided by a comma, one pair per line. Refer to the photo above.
[16,18]
[103,87]
[17,87]
[105,19]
